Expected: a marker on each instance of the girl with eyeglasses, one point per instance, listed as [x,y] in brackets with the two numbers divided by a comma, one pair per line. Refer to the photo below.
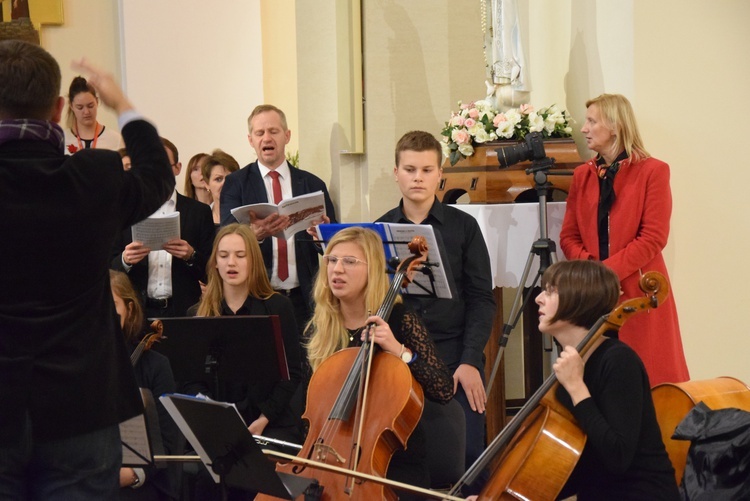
[349,287]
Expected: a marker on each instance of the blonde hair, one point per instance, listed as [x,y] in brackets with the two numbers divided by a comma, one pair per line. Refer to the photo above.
[263,108]
[133,323]
[617,113]
[327,324]
[258,285]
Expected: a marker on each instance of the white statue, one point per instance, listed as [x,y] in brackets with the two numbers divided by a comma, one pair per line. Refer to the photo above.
[507,74]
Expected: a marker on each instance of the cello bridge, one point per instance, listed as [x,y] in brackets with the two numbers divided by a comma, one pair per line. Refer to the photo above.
[322,451]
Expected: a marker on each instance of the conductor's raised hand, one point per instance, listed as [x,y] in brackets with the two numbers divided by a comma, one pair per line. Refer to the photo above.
[109,91]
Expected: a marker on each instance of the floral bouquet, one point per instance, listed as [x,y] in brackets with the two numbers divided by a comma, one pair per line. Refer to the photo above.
[479,122]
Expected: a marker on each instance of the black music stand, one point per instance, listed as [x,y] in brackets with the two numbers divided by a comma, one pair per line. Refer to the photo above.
[220,350]
[220,437]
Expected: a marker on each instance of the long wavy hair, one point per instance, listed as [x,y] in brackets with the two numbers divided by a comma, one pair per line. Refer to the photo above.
[133,324]
[328,333]
[618,114]
[258,285]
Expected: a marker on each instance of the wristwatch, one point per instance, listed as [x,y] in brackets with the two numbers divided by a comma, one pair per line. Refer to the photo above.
[405,354]
[191,260]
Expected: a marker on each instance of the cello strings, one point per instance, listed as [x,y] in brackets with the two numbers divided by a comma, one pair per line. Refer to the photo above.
[353,385]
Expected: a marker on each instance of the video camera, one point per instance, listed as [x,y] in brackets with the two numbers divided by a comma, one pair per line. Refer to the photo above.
[531,149]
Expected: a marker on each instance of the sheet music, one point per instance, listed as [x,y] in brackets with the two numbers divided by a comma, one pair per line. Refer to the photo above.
[405,233]
[140,436]
[154,232]
[133,433]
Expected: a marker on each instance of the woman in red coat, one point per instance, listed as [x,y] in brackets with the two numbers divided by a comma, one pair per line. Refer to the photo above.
[618,211]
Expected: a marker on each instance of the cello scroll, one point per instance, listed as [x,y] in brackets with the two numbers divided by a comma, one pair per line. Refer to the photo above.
[148,341]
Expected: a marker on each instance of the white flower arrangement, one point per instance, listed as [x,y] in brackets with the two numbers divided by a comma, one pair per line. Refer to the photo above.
[479,122]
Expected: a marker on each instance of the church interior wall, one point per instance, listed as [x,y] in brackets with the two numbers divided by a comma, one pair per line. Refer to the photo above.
[198,81]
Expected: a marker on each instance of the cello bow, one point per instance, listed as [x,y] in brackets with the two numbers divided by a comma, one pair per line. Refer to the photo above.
[338,427]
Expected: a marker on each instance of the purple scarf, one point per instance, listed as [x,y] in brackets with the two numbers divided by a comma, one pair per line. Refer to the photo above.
[32,130]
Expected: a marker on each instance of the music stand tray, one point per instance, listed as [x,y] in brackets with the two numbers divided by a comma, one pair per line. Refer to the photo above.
[220,437]
[232,349]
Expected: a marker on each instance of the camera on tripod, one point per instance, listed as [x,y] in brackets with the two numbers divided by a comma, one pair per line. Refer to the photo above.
[531,149]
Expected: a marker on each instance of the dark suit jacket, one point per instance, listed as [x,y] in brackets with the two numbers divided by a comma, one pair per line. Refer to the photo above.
[63,357]
[196,228]
[246,186]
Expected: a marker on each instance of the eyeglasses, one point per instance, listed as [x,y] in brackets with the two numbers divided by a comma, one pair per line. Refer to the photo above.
[348,262]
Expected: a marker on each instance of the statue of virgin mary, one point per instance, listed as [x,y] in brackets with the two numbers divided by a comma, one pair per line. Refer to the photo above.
[507,74]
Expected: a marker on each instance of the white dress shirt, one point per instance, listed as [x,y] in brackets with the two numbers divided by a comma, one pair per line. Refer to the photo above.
[285,180]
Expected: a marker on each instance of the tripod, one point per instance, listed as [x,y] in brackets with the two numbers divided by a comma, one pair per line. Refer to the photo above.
[544,247]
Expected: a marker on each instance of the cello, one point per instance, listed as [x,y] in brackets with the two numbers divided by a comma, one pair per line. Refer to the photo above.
[543,436]
[673,401]
[148,341]
[356,431]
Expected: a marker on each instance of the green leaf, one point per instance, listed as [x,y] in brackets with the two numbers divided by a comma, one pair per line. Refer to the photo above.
[455,156]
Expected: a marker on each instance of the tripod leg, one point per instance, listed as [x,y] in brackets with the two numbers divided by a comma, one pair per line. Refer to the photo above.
[513,317]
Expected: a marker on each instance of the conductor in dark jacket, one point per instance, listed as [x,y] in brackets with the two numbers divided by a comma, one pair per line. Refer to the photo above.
[66,381]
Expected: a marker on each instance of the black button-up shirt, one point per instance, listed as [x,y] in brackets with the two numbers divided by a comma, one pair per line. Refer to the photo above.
[460,326]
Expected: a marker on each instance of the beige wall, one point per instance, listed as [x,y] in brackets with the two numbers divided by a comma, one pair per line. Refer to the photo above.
[195,68]
[279,48]
[420,57]
[666,57]
[692,78]
[91,29]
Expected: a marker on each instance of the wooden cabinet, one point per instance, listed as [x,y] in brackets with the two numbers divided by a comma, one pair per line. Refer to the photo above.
[481,177]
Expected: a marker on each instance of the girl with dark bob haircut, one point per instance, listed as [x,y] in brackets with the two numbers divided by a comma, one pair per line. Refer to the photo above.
[590,290]
[610,396]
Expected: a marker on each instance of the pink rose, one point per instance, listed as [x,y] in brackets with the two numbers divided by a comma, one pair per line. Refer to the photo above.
[460,136]
[469,123]
[498,120]
[474,113]
[525,109]
[457,120]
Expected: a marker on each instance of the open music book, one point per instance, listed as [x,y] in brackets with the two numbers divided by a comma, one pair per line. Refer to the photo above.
[302,210]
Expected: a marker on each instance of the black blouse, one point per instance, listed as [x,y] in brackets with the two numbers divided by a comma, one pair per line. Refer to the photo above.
[427,368]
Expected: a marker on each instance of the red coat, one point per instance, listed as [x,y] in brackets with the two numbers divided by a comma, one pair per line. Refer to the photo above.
[639,228]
